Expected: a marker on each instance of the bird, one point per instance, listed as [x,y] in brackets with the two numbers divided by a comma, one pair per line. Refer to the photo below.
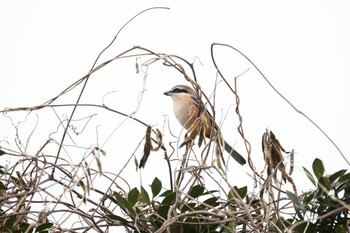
[186,109]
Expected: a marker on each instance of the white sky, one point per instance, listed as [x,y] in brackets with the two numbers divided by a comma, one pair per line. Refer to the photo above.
[301,46]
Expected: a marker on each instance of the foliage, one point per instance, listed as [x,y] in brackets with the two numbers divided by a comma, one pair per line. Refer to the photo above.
[197,212]
[325,209]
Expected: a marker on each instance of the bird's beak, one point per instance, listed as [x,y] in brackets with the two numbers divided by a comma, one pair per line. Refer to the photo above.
[167,93]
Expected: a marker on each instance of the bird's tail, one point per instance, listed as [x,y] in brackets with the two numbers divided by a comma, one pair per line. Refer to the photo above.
[239,158]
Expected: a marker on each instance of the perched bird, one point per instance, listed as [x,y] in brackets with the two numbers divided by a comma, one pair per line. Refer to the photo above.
[186,109]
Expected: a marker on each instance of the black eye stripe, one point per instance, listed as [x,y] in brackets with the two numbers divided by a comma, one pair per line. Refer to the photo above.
[180,90]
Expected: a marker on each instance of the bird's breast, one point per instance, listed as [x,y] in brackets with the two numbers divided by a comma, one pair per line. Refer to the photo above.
[185,113]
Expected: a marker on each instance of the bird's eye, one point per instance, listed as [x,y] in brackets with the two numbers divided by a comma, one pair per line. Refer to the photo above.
[179,90]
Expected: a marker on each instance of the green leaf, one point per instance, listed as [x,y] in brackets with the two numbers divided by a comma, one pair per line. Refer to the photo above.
[2,152]
[2,186]
[324,181]
[211,192]
[163,210]
[212,201]
[117,218]
[310,176]
[133,196]
[156,187]
[318,168]
[166,193]
[138,211]
[190,224]
[306,227]
[23,226]
[322,208]
[14,179]
[343,186]
[308,197]
[145,196]
[188,207]
[319,193]
[341,229]
[230,227]
[196,191]
[124,204]
[10,221]
[242,192]
[297,205]
[344,178]
[169,199]
[2,170]
[336,175]
[199,208]
[44,226]
[288,222]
